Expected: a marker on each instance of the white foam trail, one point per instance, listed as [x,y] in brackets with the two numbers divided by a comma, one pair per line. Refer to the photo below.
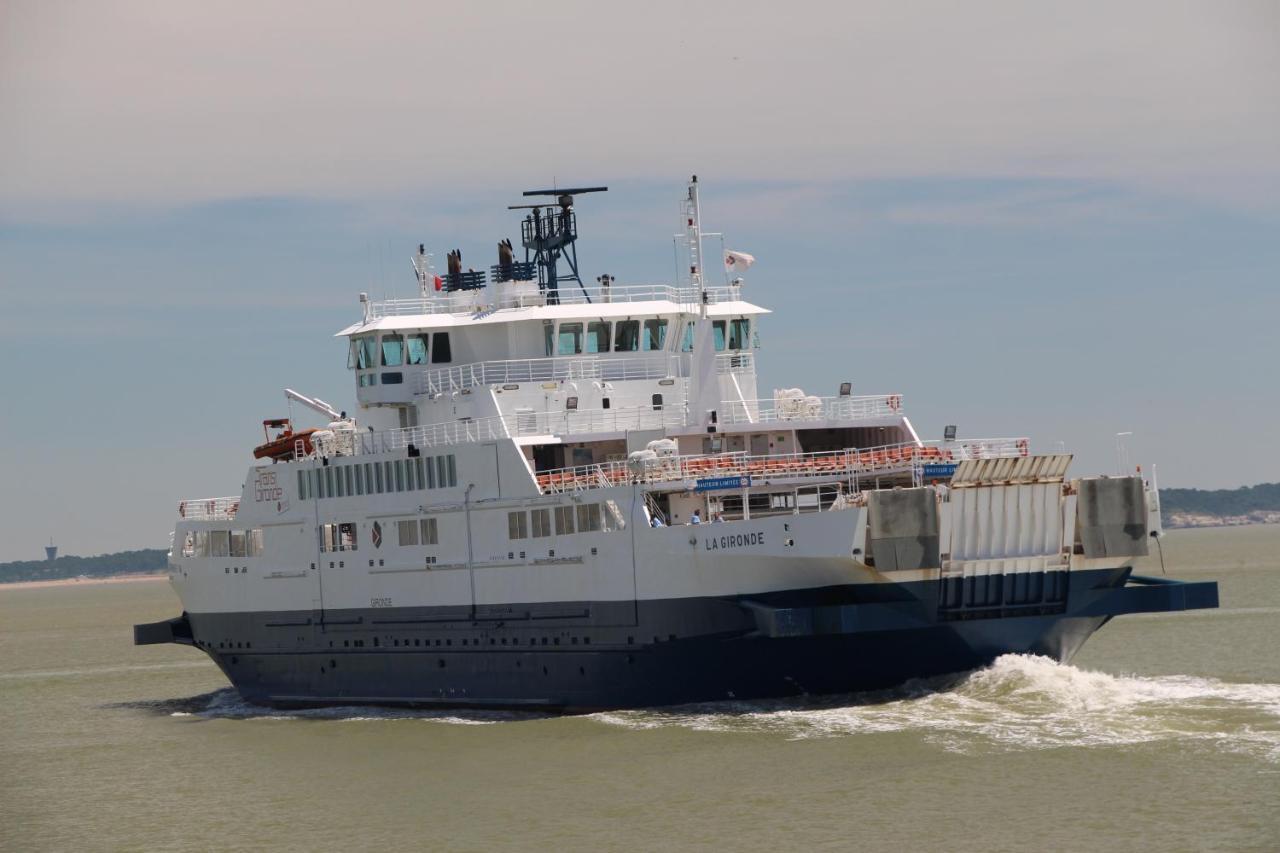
[1019,702]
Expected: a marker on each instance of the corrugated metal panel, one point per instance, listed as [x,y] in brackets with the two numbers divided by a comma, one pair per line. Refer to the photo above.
[1011,471]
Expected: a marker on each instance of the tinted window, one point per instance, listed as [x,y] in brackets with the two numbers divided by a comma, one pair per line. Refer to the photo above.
[598,337]
[627,336]
[392,350]
[738,330]
[717,327]
[442,350]
[655,334]
[416,349]
[570,339]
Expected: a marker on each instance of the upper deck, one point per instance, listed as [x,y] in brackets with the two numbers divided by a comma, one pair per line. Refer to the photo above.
[503,302]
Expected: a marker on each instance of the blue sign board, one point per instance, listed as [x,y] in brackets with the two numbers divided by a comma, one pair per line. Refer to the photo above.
[939,470]
[711,484]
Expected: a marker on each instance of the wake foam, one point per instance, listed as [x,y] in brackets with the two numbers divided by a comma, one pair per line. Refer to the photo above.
[1019,702]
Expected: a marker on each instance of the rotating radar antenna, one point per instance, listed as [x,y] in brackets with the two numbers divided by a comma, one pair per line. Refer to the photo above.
[549,234]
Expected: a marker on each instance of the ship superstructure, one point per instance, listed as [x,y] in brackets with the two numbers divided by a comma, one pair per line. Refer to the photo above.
[574,496]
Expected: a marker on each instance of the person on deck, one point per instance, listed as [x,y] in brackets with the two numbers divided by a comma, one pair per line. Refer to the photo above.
[697,517]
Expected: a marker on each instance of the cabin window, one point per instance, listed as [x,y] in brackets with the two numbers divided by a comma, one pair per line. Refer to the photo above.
[655,334]
[686,344]
[430,532]
[302,485]
[377,470]
[341,492]
[237,543]
[598,336]
[219,543]
[588,517]
[570,339]
[541,523]
[549,339]
[441,349]
[717,329]
[408,532]
[392,350]
[254,544]
[347,536]
[328,482]
[399,475]
[626,336]
[738,333]
[389,475]
[453,470]
[564,520]
[416,349]
[517,525]
[418,466]
[431,474]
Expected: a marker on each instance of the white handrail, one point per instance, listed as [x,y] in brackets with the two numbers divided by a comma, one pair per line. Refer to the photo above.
[209,509]
[812,409]
[505,295]
[839,464]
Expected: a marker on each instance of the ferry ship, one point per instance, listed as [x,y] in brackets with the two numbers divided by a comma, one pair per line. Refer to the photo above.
[565,495]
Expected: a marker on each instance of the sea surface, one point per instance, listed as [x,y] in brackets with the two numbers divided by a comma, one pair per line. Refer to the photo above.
[1163,734]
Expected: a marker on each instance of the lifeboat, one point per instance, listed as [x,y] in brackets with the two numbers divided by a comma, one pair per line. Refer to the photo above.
[282,446]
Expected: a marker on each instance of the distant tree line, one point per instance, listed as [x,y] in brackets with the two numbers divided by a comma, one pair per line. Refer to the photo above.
[104,565]
[1264,497]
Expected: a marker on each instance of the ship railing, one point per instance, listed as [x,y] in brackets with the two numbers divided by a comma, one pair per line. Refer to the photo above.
[812,409]
[528,294]
[516,424]
[847,464]
[209,509]
[444,380]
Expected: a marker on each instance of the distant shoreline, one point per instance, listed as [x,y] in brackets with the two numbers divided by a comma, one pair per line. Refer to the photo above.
[134,577]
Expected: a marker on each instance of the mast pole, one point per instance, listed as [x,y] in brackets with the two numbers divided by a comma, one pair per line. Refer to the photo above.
[693,222]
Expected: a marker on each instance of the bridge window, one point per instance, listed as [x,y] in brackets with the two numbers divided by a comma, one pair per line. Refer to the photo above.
[392,350]
[441,349]
[549,338]
[366,352]
[655,334]
[717,328]
[570,339]
[738,331]
[417,349]
[627,336]
[598,336]
[686,344]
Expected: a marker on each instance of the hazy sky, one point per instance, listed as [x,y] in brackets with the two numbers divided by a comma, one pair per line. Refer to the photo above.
[1054,220]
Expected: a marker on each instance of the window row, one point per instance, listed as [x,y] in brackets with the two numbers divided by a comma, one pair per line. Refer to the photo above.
[422,531]
[375,478]
[580,518]
[223,543]
[606,336]
[368,352]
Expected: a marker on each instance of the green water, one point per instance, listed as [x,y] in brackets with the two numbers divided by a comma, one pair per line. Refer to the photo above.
[1163,735]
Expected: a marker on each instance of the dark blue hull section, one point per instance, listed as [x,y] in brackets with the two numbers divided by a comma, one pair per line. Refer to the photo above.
[593,655]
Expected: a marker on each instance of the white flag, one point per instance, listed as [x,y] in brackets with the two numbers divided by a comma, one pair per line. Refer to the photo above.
[737,261]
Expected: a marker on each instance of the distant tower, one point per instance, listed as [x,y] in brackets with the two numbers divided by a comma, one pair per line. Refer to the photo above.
[51,551]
